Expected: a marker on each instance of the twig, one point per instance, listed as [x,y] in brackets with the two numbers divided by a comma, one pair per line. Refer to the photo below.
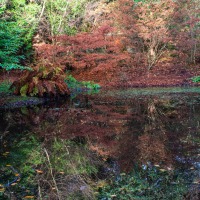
[42,12]
[39,191]
[51,171]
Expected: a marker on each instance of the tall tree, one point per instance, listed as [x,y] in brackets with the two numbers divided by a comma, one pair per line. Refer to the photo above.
[145,26]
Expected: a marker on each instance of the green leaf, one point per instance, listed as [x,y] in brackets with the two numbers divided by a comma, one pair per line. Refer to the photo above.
[23,90]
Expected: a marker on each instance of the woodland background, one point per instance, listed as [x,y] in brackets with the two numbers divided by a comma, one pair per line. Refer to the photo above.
[112,42]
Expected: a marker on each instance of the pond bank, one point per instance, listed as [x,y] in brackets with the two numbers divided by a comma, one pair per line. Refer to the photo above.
[165,76]
[154,78]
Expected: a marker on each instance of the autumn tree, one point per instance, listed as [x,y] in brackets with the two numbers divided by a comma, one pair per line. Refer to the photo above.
[145,26]
[186,31]
[153,27]
[96,54]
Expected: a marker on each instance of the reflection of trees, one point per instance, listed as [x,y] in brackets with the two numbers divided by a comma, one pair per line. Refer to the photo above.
[152,144]
[98,123]
[126,131]
[139,129]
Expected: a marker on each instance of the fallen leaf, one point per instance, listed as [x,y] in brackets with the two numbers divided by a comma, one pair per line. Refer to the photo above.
[39,171]
[163,170]
[17,174]
[28,197]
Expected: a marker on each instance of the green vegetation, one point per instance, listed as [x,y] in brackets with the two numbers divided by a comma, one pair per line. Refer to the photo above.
[195,79]
[17,26]
[45,166]
[10,45]
[64,16]
[20,162]
[74,84]
[71,159]
[5,87]
[26,17]
[146,184]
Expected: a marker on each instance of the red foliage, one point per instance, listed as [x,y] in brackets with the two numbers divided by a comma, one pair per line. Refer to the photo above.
[97,54]
[145,27]
[186,32]
[158,35]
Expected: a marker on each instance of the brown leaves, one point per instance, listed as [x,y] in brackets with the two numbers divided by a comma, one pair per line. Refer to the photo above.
[98,52]
[40,82]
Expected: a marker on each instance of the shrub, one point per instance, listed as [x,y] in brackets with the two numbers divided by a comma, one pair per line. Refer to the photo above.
[97,54]
[73,83]
[41,81]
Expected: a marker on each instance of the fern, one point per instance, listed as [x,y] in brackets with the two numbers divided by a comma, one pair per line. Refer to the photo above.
[24,90]
[40,82]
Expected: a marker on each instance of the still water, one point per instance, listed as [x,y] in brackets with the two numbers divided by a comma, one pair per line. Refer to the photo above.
[119,144]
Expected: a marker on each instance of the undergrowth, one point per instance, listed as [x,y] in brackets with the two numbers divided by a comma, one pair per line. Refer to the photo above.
[74,84]
[57,170]
[5,87]
[195,79]
[150,183]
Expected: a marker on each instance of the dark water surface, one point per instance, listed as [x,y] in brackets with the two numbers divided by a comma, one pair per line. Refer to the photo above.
[156,129]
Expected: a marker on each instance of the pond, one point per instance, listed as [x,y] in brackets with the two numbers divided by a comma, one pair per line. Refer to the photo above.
[117,144]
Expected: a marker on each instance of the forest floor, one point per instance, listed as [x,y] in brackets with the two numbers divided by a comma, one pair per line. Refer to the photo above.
[127,77]
[163,76]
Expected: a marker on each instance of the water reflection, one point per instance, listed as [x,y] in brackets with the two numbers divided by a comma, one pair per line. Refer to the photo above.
[156,130]
[147,129]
